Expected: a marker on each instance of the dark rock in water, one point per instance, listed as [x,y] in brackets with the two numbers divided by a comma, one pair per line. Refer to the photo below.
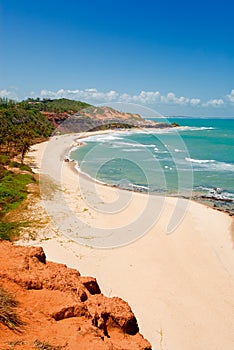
[221,199]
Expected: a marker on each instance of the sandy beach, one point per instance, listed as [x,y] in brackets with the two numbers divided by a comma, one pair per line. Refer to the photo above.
[179,285]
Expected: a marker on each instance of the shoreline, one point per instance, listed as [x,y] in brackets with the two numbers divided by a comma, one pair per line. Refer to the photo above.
[215,204]
[165,279]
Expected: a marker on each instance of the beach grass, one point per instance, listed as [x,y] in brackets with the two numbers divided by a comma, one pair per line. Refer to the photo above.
[8,315]
[13,191]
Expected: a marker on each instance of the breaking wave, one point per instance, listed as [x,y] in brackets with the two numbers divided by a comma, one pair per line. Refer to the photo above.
[211,164]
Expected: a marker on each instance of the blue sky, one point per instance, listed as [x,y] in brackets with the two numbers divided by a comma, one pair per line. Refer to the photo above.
[176,57]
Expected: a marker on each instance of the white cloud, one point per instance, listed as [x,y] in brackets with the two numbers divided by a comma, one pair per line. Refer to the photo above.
[172,99]
[231,96]
[92,95]
[195,101]
[10,94]
[148,98]
[214,103]
[145,97]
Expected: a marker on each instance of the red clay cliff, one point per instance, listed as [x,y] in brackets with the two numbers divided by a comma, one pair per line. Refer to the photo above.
[60,309]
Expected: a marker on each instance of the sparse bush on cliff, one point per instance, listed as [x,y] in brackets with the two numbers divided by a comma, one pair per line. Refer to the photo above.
[9,230]
[42,345]
[8,304]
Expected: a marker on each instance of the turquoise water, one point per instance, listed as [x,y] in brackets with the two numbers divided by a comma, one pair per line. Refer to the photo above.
[196,157]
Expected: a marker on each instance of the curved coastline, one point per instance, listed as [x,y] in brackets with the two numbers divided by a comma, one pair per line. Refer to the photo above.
[164,278]
[77,144]
[197,196]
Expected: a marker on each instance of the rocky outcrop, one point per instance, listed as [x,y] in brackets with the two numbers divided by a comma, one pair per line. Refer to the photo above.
[61,309]
[56,118]
[99,118]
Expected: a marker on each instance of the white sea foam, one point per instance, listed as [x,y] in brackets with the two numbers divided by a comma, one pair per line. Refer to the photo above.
[131,150]
[179,129]
[210,164]
[130,185]
[161,151]
[118,135]
[195,128]
[224,194]
[178,150]
[200,161]
[78,169]
[115,140]
[148,131]
[102,138]
[140,187]
[228,195]
[135,144]
[209,169]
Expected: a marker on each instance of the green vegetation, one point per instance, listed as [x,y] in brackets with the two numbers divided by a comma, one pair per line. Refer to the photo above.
[57,106]
[4,159]
[13,191]
[20,128]
[25,123]
[112,125]
[8,315]
[20,166]
[174,124]
[9,230]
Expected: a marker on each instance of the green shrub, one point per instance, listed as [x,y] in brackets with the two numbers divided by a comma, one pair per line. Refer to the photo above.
[9,230]
[4,159]
[20,166]
[8,315]
[13,190]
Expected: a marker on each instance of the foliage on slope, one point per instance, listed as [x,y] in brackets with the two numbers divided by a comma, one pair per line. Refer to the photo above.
[13,190]
[54,105]
[20,128]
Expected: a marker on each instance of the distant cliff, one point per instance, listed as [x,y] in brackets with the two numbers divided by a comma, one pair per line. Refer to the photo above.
[77,116]
[99,118]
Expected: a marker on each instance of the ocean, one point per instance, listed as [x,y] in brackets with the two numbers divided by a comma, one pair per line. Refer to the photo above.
[188,161]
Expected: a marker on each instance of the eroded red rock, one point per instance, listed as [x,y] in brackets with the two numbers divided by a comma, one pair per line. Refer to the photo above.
[61,308]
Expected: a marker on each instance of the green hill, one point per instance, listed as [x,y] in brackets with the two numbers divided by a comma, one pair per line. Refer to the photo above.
[56,105]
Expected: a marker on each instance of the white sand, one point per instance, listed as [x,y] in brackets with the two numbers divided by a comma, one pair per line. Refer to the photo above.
[180,286]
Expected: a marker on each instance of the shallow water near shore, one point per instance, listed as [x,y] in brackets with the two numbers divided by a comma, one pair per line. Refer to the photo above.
[185,161]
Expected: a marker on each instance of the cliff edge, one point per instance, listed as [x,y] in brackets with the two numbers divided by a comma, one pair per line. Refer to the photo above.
[52,307]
